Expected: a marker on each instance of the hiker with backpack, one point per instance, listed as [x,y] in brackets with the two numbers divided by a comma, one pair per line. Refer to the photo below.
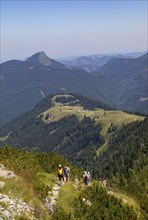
[85,178]
[60,174]
[89,178]
[67,172]
[103,182]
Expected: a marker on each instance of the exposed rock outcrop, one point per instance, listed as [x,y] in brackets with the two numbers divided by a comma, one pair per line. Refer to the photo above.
[6,173]
[12,207]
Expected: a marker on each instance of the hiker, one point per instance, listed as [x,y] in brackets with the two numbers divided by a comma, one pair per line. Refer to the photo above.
[67,172]
[60,174]
[85,178]
[101,181]
[104,183]
[63,174]
[89,178]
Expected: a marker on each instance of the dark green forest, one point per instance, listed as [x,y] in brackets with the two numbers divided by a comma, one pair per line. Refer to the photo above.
[86,102]
[76,140]
[125,163]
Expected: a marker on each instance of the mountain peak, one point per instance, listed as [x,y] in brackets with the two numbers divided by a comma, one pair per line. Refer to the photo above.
[40,58]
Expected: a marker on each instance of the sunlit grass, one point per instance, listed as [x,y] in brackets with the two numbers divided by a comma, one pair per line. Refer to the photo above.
[105,118]
[45,179]
[67,195]
[18,188]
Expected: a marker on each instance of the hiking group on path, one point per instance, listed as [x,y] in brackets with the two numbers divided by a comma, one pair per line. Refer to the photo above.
[87,180]
[63,173]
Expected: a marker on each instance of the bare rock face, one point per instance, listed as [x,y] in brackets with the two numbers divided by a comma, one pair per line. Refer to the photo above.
[40,58]
[45,60]
[6,173]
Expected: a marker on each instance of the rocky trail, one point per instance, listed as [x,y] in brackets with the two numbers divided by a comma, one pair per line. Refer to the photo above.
[52,197]
[11,207]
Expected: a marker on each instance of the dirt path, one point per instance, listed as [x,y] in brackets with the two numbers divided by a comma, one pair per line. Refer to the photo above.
[52,197]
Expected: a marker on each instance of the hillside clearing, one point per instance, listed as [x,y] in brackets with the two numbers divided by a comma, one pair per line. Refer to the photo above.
[103,117]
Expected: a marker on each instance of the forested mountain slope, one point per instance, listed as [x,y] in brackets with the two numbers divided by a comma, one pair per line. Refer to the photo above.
[125,82]
[126,161]
[73,125]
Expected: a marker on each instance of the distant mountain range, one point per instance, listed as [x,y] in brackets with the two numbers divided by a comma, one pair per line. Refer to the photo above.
[121,83]
[125,82]
[94,62]
[24,83]
[88,63]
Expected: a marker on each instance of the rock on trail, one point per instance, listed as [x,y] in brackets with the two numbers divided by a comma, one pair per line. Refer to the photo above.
[51,199]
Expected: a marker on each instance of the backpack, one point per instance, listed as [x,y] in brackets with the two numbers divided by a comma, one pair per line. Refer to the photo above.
[60,171]
[85,178]
[65,170]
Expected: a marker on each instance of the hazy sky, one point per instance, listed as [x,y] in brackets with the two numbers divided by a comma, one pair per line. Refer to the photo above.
[72,28]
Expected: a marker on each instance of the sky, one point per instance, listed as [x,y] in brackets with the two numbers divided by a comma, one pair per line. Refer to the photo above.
[72,28]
